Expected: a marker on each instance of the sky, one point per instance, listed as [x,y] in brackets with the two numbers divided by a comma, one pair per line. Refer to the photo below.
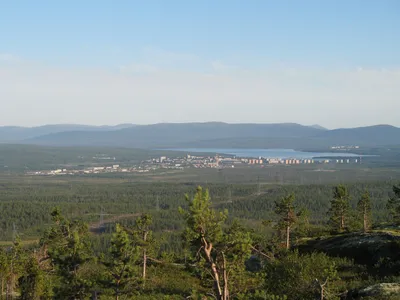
[333,63]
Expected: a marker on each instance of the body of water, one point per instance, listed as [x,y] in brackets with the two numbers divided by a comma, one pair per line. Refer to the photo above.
[268,153]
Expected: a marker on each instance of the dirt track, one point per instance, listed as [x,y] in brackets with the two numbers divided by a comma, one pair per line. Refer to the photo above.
[96,225]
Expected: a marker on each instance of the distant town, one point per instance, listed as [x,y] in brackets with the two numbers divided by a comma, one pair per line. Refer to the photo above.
[190,161]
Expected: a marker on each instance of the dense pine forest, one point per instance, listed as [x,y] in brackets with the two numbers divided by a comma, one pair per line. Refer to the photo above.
[102,238]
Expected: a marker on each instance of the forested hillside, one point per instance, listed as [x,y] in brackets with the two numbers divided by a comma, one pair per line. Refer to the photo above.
[103,238]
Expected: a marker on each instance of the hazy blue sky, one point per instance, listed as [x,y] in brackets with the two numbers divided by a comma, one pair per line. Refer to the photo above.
[335,63]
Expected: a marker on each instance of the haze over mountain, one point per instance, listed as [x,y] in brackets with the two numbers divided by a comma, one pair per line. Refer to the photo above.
[201,135]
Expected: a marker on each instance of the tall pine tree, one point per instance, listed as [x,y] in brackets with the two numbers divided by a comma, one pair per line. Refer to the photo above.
[120,263]
[69,249]
[219,253]
[364,208]
[340,206]
[394,205]
[286,211]
[144,238]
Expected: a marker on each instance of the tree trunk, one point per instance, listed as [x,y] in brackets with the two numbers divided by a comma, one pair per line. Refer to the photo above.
[144,257]
[342,222]
[322,289]
[287,237]
[12,287]
[226,288]
[217,284]
[144,264]
[365,221]
[94,295]
[117,290]
[2,288]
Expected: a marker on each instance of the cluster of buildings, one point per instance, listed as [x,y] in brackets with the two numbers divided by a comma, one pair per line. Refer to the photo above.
[228,161]
[183,162]
[276,161]
[344,147]
[190,161]
[323,161]
[89,170]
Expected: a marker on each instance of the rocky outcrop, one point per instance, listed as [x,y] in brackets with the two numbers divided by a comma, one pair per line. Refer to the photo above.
[377,291]
[363,248]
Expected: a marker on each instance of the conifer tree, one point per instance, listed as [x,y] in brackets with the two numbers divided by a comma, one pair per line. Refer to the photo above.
[120,262]
[16,258]
[394,205]
[69,249]
[364,208]
[220,254]
[4,266]
[33,284]
[144,239]
[339,207]
[303,223]
[286,210]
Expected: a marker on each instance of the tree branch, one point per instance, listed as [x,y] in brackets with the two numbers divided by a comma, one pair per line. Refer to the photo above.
[262,253]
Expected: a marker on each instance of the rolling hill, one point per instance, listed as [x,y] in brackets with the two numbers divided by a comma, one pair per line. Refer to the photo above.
[9,134]
[174,135]
[211,134]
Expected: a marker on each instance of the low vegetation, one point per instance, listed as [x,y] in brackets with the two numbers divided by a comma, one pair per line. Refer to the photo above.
[212,254]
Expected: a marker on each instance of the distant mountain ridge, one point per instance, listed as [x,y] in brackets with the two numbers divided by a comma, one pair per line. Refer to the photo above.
[209,134]
[18,133]
[318,127]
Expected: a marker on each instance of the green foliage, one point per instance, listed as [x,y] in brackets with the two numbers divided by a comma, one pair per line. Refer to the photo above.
[303,225]
[119,264]
[237,249]
[364,209]
[13,261]
[394,205]
[202,221]
[296,275]
[262,295]
[143,238]
[287,216]
[73,261]
[35,283]
[221,253]
[340,207]
[69,250]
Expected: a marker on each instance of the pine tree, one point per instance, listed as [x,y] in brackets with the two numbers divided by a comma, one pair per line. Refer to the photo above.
[203,231]
[394,205]
[364,208]
[303,223]
[144,239]
[339,207]
[69,249]
[286,210]
[16,258]
[218,253]
[32,284]
[120,262]
[4,271]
